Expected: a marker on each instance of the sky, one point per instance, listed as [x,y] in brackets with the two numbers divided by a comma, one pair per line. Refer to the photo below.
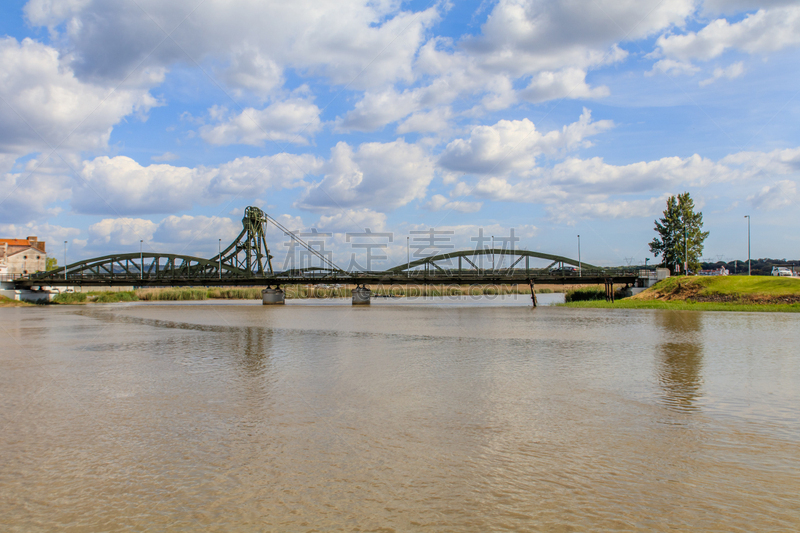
[142,120]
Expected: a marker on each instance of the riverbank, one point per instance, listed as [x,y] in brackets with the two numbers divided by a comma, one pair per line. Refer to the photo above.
[8,302]
[298,292]
[712,293]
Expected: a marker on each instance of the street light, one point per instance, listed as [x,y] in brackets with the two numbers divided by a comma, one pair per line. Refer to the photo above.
[748,243]
[492,253]
[408,257]
[685,252]
[579,257]
[219,257]
[141,261]
[65,260]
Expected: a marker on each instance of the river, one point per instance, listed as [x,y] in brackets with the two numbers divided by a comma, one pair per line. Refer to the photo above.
[475,414]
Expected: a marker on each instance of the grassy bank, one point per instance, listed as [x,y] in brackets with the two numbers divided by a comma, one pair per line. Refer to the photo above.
[712,293]
[300,291]
[8,302]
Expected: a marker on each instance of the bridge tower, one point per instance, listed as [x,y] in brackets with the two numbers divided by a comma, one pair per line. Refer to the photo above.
[249,251]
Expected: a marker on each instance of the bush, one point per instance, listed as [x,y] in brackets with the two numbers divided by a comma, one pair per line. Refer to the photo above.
[113,297]
[70,298]
[585,294]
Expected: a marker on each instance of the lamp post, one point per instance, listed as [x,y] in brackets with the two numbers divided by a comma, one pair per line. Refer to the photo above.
[492,253]
[408,257]
[579,257]
[141,260]
[65,260]
[219,258]
[748,243]
[685,252]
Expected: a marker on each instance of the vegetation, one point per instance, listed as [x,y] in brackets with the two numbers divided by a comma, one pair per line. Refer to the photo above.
[8,302]
[292,292]
[585,294]
[680,236]
[51,263]
[713,293]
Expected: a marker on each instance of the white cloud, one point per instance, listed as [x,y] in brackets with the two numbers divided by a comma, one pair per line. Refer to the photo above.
[30,193]
[766,31]
[165,157]
[251,176]
[46,106]
[121,186]
[569,212]
[364,44]
[194,231]
[52,235]
[352,220]
[290,121]
[381,176]
[567,83]
[434,121]
[776,196]
[121,231]
[514,145]
[730,72]
[672,68]
[441,203]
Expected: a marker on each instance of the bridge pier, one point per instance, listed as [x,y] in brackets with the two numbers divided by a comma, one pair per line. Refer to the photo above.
[270,296]
[533,293]
[361,295]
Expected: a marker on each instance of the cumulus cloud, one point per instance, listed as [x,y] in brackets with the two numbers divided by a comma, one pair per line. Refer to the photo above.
[165,157]
[381,176]
[352,42]
[730,72]
[46,106]
[776,196]
[567,83]
[292,121]
[569,212]
[352,220]
[121,231]
[252,176]
[442,203]
[191,231]
[52,235]
[765,31]
[514,145]
[119,185]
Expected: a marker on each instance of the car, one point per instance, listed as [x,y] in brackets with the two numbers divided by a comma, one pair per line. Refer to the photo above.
[781,271]
[563,271]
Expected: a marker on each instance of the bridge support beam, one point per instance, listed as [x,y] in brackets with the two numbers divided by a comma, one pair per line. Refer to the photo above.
[610,290]
[361,295]
[270,296]
[533,293]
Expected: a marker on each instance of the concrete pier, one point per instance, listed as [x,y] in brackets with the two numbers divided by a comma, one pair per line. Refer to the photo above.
[270,296]
[361,296]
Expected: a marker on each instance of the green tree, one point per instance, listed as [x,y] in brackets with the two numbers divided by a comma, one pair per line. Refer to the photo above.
[680,233]
[52,263]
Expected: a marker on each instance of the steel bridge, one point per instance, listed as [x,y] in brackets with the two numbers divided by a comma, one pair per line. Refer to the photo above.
[247,261]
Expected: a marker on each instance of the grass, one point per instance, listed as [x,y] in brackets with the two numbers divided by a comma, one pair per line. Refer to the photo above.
[712,293]
[686,305]
[292,292]
[585,294]
[8,302]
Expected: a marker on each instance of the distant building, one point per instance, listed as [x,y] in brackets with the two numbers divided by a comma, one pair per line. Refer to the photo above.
[22,256]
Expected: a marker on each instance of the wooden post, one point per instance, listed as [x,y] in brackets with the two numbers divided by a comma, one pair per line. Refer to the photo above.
[533,293]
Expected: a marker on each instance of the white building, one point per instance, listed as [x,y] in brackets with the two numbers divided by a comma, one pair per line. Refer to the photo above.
[22,256]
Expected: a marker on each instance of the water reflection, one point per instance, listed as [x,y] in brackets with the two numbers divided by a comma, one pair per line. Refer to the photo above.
[681,359]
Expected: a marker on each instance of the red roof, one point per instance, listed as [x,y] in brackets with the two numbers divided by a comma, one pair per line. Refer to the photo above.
[15,242]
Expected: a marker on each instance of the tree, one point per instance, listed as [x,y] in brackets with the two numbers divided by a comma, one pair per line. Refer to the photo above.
[680,233]
[52,263]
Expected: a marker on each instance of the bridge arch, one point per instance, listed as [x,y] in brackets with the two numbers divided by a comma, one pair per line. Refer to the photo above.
[146,266]
[466,255]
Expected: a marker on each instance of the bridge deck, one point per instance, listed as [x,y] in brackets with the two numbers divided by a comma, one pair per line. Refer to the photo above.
[361,278]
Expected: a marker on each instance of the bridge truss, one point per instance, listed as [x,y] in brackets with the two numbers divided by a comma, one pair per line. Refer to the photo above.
[247,261]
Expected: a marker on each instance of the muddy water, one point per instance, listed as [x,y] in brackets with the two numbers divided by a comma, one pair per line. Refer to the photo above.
[432,416]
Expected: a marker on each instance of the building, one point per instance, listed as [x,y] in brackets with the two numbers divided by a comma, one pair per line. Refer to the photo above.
[22,256]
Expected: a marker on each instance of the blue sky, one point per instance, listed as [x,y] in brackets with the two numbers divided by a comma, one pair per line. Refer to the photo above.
[160,121]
